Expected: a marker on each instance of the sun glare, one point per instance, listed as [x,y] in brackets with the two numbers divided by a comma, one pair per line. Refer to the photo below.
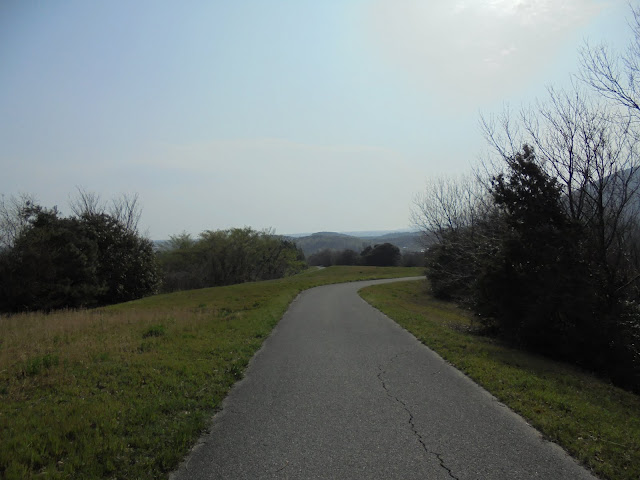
[501,44]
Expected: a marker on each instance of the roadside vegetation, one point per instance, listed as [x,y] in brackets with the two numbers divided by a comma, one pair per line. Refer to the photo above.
[226,257]
[543,242]
[94,257]
[124,391]
[596,422]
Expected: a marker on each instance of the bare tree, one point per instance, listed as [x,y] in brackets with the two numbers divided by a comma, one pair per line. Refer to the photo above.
[126,208]
[86,203]
[14,217]
[447,205]
[591,150]
[503,135]
[615,76]
[457,225]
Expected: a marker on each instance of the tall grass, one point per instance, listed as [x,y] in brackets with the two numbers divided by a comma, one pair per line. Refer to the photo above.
[124,392]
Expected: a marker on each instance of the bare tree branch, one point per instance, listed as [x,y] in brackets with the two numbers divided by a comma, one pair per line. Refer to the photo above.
[13,217]
[86,203]
[126,208]
[616,77]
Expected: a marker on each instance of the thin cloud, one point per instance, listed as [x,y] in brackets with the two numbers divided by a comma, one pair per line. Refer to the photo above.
[473,50]
[272,182]
[255,156]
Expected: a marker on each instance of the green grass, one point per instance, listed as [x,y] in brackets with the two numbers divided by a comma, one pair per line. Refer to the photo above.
[597,423]
[124,392]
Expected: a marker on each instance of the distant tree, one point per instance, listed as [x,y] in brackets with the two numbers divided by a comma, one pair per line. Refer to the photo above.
[323,258]
[346,257]
[182,241]
[382,255]
[328,257]
[225,257]
[180,263]
[413,259]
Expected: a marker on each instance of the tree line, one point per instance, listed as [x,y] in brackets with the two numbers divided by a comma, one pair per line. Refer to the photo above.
[225,257]
[93,257]
[543,241]
[96,256]
[380,255]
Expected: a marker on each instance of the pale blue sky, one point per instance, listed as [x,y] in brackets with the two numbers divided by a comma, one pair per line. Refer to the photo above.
[297,115]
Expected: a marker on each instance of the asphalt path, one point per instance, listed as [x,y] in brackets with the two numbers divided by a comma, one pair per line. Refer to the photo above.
[339,391]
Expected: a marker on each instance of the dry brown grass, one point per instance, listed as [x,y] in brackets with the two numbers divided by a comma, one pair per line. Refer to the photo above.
[81,335]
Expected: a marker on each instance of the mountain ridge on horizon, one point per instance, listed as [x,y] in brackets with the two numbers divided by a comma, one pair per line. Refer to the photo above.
[353,233]
[407,241]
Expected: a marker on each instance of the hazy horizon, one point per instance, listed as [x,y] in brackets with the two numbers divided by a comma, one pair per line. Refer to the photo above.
[297,116]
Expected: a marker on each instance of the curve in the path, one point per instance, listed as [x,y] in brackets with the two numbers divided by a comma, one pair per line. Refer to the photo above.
[340,391]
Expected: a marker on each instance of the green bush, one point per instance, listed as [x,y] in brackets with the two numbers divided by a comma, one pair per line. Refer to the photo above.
[90,260]
[227,257]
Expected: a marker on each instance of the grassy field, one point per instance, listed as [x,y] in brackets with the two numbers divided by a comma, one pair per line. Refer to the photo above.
[123,392]
[595,422]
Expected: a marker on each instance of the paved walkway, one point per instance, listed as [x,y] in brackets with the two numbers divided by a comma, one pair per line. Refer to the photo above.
[340,391]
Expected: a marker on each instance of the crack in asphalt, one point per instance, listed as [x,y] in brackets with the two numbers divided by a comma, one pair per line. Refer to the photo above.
[412,424]
[272,472]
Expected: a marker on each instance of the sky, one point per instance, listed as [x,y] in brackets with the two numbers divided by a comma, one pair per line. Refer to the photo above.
[299,116]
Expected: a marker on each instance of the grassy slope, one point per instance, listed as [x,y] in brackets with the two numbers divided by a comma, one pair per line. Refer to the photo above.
[595,422]
[123,392]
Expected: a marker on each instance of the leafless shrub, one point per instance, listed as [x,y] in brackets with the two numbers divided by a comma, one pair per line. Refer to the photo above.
[13,217]
[126,208]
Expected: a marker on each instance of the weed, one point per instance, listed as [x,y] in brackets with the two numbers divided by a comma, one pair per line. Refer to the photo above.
[236,370]
[154,331]
[36,365]
[146,347]
[101,357]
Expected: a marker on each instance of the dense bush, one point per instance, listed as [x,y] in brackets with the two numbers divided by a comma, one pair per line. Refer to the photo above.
[382,255]
[534,275]
[56,262]
[536,283]
[126,263]
[328,257]
[226,257]
[412,259]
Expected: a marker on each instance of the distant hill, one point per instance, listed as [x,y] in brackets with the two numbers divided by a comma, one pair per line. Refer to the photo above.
[310,244]
[405,241]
